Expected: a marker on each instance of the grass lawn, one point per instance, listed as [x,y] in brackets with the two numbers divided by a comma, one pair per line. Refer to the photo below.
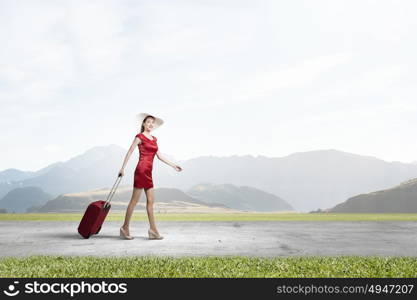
[192,267]
[138,216]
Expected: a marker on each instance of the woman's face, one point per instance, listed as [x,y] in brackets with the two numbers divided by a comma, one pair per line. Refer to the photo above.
[149,124]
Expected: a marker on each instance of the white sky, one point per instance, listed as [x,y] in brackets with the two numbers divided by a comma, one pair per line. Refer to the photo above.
[228,77]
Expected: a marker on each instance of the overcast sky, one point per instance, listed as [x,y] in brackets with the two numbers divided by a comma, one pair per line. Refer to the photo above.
[228,77]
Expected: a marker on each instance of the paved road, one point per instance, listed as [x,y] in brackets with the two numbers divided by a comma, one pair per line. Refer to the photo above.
[254,238]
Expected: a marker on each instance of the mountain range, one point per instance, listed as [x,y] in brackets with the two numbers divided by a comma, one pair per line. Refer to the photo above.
[170,200]
[304,180]
[241,198]
[401,198]
[19,199]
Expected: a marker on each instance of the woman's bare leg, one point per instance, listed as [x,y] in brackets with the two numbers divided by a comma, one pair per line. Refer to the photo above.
[149,208]
[131,207]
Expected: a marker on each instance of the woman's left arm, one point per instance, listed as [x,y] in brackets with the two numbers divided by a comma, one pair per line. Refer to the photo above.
[161,158]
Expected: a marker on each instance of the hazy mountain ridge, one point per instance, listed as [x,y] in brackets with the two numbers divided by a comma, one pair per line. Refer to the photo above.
[240,198]
[17,200]
[167,199]
[306,180]
[11,175]
[401,198]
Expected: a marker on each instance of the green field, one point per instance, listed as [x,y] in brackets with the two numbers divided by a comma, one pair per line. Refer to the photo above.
[230,267]
[140,216]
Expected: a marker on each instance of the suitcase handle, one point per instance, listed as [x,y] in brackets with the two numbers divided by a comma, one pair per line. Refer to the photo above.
[112,191]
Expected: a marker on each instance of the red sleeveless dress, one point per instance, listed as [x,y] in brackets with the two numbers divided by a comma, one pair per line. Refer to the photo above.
[143,171]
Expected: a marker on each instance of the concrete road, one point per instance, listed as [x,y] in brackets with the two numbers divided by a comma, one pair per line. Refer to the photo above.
[253,238]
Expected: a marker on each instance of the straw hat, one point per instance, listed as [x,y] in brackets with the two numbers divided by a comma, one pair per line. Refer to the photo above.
[158,121]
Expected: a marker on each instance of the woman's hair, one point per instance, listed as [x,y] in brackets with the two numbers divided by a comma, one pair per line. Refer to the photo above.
[142,128]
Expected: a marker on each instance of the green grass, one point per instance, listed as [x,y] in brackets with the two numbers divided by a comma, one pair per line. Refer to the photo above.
[211,266]
[140,216]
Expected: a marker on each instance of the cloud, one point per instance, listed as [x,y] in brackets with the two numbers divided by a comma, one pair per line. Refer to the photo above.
[296,64]
[52,148]
[296,76]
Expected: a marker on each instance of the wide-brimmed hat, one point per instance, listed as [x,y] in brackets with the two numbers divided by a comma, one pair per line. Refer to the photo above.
[157,122]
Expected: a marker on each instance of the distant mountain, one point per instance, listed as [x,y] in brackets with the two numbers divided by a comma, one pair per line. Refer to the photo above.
[399,199]
[19,199]
[241,198]
[165,198]
[306,180]
[95,168]
[10,175]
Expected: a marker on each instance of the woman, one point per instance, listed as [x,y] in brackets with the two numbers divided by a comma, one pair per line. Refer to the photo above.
[143,173]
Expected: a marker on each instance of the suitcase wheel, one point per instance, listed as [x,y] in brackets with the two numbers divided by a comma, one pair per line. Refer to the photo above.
[86,236]
[98,230]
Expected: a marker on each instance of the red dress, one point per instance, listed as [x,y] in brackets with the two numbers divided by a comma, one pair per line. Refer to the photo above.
[143,171]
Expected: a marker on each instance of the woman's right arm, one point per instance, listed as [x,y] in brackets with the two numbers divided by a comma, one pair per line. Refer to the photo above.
[135,142]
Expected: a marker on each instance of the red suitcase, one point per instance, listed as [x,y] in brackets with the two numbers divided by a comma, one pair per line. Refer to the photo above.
[96,213]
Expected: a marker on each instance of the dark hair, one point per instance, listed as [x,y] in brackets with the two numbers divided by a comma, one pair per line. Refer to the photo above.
[142,128]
